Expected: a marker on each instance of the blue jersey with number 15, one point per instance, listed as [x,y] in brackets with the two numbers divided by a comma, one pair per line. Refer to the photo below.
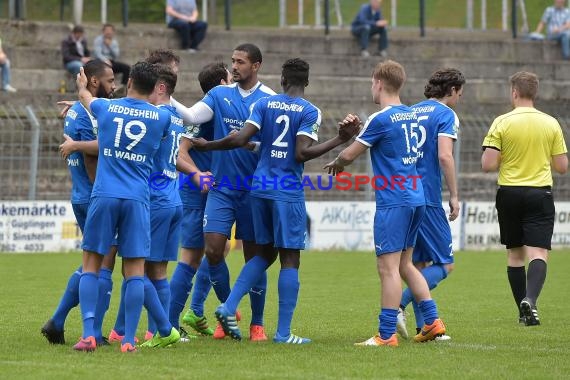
[130,131]
[391,135]
[281,118]
[435,120]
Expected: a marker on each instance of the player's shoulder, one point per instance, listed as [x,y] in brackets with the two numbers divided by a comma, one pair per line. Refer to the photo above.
[266,90]
[222,89]
[308,106]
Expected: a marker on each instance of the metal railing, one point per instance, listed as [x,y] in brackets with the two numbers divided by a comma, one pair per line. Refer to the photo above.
[31,167]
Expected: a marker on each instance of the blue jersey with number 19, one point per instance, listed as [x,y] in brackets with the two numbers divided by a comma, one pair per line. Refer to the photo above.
[231,110]
[80,126]
[390,134]
[435,119]
[281,118]
[165,194]
[130,131]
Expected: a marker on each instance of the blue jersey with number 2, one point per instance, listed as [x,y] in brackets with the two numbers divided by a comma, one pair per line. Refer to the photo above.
[281,118]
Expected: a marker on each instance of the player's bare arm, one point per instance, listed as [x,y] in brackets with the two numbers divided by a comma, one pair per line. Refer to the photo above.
[85,96]
[306,149]
[231,141]
[185,164]
[490,160]
[69,146]
[447,163]
[345,158]
[559,163]
[90,163]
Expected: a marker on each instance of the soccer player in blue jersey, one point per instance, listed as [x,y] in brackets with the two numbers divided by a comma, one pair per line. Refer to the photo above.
[81,126]
[437,131]
[130,131]
[288,125]
[191,262]
[400,205]
[165,203]
[229,201]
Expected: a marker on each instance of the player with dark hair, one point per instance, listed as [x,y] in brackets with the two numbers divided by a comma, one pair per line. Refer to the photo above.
[524,146]
[400,206]
[192,262]
[165,208]
[130,131]
[81,126]
[436,132]
[165,57]
[229,201]
[289,126]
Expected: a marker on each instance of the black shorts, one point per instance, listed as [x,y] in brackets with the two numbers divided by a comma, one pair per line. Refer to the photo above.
[526,216]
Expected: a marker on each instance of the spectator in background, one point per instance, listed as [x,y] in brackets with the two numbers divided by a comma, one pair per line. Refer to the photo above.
[182,15]
[5,68]
[368,22]
[557,21]
[106,48]
[74,50]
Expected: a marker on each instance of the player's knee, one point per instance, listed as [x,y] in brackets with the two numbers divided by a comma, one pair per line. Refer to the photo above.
[290,259]
[214,256]
[449,268]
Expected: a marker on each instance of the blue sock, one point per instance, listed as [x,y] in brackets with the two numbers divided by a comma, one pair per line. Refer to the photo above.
[288,289]
[220,278]
[155,309]
[105,287]
[163,291]
[250,274]
[88,292]
[257,299]
[120,322]
[202,287]
[434,274]
[418,314]
[180,286]
[387,322]
[407,298]
[134,298]
[69,300]
[429,311]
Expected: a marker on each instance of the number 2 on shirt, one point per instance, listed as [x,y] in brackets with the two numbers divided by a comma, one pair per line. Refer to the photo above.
[279,140]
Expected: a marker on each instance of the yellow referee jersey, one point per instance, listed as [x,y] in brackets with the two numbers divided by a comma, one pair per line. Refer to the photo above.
[527,139]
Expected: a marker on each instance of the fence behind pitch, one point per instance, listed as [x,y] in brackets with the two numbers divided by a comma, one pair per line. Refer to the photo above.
[51,179]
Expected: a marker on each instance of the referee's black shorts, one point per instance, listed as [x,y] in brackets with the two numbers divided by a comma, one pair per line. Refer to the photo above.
[526,216]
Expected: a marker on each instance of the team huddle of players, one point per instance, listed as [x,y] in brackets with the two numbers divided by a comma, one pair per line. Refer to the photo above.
[242,129]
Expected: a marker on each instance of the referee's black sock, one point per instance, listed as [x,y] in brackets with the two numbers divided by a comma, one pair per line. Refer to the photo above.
[535,279]
[517,280]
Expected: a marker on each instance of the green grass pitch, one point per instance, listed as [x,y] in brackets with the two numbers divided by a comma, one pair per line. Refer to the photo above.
[338,306]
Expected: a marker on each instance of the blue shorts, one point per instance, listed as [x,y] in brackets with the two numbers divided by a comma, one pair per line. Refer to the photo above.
[434,238]
[192,230]
[80,212]
[396,228]
[128,218]
[164,233]
[223,208]
[279,222]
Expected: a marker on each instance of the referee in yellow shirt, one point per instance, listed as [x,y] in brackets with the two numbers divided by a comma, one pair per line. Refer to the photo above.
[523,145]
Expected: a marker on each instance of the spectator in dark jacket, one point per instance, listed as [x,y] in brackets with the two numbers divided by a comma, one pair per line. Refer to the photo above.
[74,50]
[368,22]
